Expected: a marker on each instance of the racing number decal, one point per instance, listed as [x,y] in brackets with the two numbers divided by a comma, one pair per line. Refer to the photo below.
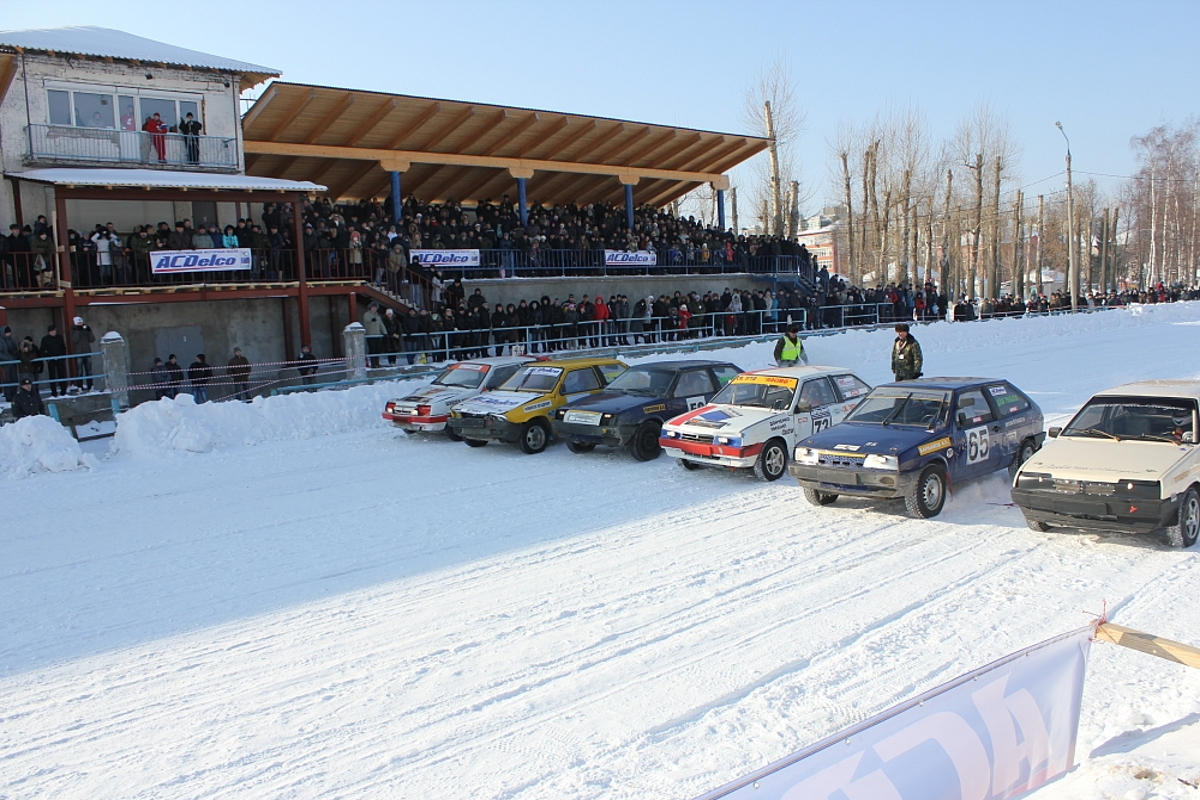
[978,443]
[821,422]
[695,402]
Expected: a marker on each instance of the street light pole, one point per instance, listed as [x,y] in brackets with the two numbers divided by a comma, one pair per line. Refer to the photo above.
[1072,256]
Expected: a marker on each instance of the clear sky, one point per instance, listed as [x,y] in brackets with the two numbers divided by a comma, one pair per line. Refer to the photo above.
[1108,69]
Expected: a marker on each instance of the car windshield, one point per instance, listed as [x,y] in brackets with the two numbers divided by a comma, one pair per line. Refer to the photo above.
[762,391]
[1162,419]
[643,380]
[467,376]
[892,405]
[533,379]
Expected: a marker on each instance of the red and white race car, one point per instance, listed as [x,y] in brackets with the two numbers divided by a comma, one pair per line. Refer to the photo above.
[428,408]
[756,420]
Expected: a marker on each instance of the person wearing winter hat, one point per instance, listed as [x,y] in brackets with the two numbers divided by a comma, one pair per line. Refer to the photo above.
[28,402]
[52,349]
[82,339]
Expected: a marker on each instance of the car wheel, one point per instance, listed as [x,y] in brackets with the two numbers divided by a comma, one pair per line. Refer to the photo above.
[819,498]
[475,442]
[451,435]
[534,437]
[1036,525]
[644,444]
[581,447]
[1024,453]
[929,495]
[1183,532]
[690,466]
[772,461]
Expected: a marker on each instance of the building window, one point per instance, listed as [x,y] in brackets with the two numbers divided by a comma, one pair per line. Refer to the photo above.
[127,109]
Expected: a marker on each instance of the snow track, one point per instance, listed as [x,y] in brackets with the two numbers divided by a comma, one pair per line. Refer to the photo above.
[366,615]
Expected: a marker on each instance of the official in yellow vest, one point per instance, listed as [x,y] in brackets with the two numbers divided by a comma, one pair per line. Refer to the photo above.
[789,350]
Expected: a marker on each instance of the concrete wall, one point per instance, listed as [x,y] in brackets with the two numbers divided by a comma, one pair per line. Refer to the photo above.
[513,290]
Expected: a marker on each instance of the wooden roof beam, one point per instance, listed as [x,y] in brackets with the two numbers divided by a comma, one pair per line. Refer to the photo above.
[290,116]
[650,147]
[520,128]
[355,177]
[716,151]
[260,105]
[333,116]
[583,131]
[364,130]
[686,144]
[444,131]
[472,190]
[553,131]
[485,129]
[620,148]
[570,189]
[440,189]
[408,130]
[603,141]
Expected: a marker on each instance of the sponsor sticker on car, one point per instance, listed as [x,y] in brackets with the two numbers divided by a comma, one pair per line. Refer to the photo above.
[582,417]
[537,406]
[934,446]
[770,380]
[471,367]
[654,408]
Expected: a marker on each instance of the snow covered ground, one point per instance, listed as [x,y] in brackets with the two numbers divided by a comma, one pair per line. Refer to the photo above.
[289,599]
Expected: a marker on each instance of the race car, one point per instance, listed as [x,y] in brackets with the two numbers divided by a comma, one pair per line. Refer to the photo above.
[631,410]
[519,411]
[1127,461]
[754,422]
[428,408]
[914,439]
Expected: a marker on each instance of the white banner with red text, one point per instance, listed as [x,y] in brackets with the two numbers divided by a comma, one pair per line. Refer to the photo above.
[166,262]
[991,734]
[630,258]
[446,258]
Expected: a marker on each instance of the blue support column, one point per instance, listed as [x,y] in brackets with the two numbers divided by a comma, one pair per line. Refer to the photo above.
[397,203]
[629,206]
[721,209]
[524,209]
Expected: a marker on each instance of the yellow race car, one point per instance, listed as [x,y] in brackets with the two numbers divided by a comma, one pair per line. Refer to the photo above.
[519,411]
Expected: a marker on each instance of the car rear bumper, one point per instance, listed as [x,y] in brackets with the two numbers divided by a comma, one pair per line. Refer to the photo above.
[853,482]
[1097,512]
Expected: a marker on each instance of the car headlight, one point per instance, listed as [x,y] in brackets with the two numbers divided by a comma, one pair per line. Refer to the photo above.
[391,407]
[729,441]
[1135,488]
[607,419]
[874,461]
[670,434]
[496,419]
[807,456]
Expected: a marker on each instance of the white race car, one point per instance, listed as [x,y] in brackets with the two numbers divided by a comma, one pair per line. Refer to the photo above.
[756,420]
[428,408]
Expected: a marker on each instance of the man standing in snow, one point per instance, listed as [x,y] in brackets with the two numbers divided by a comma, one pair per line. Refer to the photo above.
[28,402]
[81,347]
[238,369]
[789,350]
[199,374]
[906,355]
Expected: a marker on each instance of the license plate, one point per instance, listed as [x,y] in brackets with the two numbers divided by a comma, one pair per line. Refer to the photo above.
[582,417]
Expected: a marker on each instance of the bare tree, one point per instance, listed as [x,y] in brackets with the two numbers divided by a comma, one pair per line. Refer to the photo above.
[772,110]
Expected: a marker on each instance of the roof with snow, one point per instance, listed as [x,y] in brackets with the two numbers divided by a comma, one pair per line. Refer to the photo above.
[90,40]
[162,179]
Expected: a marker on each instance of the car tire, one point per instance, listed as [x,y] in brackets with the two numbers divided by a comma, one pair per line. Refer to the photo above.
[534,437]
[1036,525]
[451,435]
[819,498]
[1183,532]
[644,444]
[581,447]
[929,495]
[475,442]
[1024,453]
[690,466]
[772,461]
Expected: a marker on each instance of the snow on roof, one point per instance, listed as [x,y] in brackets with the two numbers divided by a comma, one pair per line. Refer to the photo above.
[91,40]
[162,179]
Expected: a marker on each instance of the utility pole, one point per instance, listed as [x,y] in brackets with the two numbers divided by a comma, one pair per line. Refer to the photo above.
[1072,255]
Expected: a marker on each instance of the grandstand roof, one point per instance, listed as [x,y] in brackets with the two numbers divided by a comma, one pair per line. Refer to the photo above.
[349,140]
[90,40]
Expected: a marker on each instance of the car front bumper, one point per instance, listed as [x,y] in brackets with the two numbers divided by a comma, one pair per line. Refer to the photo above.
[855,482]
[1097,512]
[715,455]
[608,435]
[485,428]
[413,422]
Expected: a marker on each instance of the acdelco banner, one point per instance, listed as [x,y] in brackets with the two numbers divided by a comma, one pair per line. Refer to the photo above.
[446,258]
[630,258]
[994,733]
[163,262]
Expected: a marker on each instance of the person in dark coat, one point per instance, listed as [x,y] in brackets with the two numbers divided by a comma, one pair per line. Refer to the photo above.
[906,355]
[9,352]
[190,128]
[199,374]
[238,369]
[308,364]
[28,402]
[52,349]
[174,376]
[82,339]
[160,378]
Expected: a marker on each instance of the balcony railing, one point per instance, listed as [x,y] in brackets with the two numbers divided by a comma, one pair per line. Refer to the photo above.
[65,144]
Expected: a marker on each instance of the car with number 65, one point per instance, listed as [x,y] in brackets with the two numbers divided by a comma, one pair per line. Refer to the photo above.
[915,439]
[754,422]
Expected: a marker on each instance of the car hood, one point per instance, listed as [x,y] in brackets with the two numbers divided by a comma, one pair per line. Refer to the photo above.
[438,394]
[1105,459]
[857,437]
[614,402]
[496,402]
[712,419]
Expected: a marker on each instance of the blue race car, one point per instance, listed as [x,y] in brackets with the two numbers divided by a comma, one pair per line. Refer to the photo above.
[914,439]
[631,410]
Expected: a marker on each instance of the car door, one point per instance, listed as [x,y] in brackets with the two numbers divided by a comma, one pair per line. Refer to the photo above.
[977,442]
[580,382]
[850,390]
[816,408]
[1013,413]
[692,389]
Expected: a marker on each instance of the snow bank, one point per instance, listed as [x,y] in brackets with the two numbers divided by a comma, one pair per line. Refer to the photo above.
[169,425]
[38,444]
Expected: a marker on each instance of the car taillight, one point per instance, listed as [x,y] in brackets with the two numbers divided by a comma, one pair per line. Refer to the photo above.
[424,411]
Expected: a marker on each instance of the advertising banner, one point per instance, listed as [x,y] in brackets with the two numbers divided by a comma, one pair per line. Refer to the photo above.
[630,258]
[994,733]
[167,262]
[446,258]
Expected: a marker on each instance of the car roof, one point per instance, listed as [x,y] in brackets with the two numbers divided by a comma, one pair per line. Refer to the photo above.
[1163,388]
[496,361]
[798,372]
[943,383]
[681,363]
[575,362]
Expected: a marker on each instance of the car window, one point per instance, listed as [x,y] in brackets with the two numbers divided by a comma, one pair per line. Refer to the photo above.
[610,371]
[972,409]
[817,392]
[694,382]
[1131,417]
[725,374]
[1007,399]
[581,380]
[850,387]
[500,374]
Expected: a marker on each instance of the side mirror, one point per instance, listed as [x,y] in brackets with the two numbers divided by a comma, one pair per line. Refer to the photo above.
[803,407]
[1054,432]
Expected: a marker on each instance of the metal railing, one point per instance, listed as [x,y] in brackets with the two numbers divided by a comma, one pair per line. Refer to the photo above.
[59,375]
[70,144]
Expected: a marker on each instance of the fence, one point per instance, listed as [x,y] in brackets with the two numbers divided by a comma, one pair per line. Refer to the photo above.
[61,375]
[71,144]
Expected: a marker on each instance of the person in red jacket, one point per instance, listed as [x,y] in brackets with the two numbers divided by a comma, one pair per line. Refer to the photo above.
[601,319]
[158,135]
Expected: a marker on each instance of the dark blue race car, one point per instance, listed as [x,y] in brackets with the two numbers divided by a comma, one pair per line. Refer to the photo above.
[631,410]
[914,439]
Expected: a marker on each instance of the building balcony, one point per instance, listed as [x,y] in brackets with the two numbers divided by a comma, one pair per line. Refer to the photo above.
[65,144]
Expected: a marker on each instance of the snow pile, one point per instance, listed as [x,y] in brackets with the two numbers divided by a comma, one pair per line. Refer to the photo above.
[181,425]
[38,444]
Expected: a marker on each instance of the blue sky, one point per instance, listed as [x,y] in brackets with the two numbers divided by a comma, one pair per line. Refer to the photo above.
[1108,70]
